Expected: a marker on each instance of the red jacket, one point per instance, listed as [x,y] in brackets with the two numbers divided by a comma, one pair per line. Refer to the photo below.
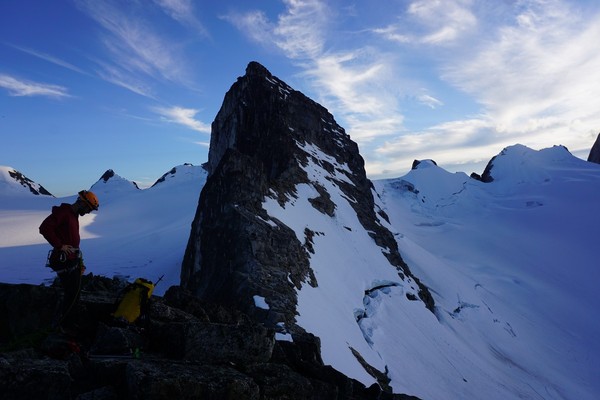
[61,227]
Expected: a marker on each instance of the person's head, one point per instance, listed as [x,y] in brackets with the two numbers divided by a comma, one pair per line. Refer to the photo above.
[86,202]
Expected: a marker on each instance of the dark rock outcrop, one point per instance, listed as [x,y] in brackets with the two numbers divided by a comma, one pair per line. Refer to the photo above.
[28,183]
[487,172]
[107,175]
[236,250]
[198,351]
[595,151]
[416,163]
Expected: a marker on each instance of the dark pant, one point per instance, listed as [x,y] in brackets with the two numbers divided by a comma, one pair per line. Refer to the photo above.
[70,282]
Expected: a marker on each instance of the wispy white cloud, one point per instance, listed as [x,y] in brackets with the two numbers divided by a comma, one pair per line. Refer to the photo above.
[119,77]
[51,59]
[133,45]
[254,24]
[349,82]
[182,11]
[537,73]
[203,144]
[440,137]
[429,101]
[183,116]
[21,87]
[300,30]
[527,68]
[444,21]
[432,22]
[529,65]
[347,77]
[465,145]
[391,32]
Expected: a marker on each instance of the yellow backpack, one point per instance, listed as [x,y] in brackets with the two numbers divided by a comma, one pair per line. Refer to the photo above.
[134,300]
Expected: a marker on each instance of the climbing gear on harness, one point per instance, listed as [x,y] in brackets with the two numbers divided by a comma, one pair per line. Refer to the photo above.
[57,260]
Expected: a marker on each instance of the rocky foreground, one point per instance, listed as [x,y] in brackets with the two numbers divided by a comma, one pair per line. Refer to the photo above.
[183,349]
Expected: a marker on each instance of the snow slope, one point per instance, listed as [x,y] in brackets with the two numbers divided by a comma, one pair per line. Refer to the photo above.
[513,269]
[512,266]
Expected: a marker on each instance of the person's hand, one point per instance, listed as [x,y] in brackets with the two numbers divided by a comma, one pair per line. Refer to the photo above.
[68,249]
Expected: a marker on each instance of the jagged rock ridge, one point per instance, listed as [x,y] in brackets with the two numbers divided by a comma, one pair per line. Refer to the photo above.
[15,178]
[264,139]
[595,151]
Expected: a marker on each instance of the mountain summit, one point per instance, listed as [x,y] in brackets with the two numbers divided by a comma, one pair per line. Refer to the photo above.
[287,227]
[111,183]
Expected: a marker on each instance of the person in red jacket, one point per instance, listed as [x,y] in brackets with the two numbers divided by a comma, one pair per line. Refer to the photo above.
[61,230]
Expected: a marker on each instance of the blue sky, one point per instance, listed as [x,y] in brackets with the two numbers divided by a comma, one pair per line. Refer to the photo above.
[134,85]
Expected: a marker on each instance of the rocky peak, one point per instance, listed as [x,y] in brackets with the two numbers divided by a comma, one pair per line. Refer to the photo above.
[255,68]
[18,181]
[595,151]
[422,163]
[110,183]
[263,116]
[107,175]
[263,138]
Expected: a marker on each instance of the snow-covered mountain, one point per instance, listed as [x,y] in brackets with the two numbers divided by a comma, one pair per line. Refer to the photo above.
[111,184]
[14,183]
[513,268]
[287,209]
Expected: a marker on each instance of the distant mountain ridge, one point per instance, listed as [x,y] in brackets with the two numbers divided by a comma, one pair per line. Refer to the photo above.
[14,182]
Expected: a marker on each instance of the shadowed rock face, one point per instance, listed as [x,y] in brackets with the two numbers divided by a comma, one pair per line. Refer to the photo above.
[189,350]
[236,250]
[595,151]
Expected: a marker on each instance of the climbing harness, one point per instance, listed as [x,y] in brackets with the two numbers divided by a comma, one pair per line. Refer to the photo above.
[58,262]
